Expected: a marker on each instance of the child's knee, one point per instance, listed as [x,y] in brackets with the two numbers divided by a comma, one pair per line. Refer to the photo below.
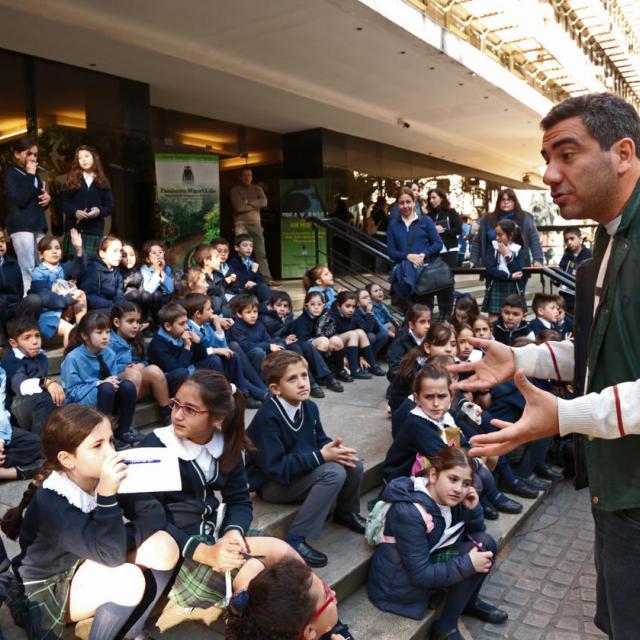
[154,372]
[333,473]
[129,585]
[322,344]
[160,551]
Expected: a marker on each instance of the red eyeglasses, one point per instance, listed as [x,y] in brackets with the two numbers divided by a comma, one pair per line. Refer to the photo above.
[330,597]
[187,409]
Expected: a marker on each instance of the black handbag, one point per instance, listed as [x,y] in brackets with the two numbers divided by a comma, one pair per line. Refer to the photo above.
[434,276]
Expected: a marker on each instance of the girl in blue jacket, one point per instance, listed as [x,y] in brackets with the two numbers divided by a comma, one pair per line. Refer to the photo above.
[157,276]
[60,311]
[78,556]
[127,344]
[433,538]
[102,280]
[90,375]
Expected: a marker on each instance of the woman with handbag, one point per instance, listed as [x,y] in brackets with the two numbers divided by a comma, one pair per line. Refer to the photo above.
[413,244]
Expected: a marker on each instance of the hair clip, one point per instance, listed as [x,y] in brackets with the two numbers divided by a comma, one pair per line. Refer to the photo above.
[233,389]
[240,600]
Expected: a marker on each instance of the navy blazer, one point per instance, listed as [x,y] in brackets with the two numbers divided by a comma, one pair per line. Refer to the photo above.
[103,286]
[86,198]
[243,274]
[22,191]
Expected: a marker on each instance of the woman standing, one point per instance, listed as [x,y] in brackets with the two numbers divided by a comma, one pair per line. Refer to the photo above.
[507,206]
[86,201]
[413,238]
[27,199]
[449,227]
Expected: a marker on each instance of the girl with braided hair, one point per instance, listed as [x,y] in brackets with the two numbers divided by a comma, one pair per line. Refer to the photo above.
[78,558]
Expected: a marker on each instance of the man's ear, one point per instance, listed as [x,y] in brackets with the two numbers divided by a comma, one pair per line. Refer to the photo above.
[625,151]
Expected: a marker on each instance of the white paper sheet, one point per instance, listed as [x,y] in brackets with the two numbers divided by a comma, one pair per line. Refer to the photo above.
[151,469]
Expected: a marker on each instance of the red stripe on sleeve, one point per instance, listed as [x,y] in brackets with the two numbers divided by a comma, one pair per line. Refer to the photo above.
[555,362]
[616,395]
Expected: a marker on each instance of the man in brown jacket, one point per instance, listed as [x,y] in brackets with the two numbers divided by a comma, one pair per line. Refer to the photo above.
[247,199]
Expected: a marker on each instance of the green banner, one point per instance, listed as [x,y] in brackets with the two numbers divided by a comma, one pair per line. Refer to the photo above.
[298,246]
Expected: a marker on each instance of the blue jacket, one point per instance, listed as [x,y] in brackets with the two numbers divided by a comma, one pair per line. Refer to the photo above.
[425,238]
[284,451]
[81,372]
[151,280]
[123,349]
[103,286]
[11,287]
[22,191]
[169,353]
[251,336]
[304,326]
[402,573]
[210,339]
[20,369]
[191,511]
[43,278]
[86,198]
[383,315]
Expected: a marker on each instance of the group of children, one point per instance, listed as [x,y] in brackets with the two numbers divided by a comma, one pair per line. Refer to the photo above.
[224,340]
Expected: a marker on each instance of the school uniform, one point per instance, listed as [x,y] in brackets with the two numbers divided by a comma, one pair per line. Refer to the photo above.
[82,370]
[244,273]
[169,354]
[194,515]
[404,342]
[43,277]
[538,324]
[304,326]
[329,294]
[499,270]
[383,315]
[124,352]
[569,263]
[64,526]
[216,291]
[103,286]
[159,289]
[377,333]
[423,549]
[27,398]
[288,463]
[254,340]
[231,289]
[505,335]
[89,195]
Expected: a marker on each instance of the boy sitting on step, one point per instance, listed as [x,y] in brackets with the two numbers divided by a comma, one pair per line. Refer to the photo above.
[295,460]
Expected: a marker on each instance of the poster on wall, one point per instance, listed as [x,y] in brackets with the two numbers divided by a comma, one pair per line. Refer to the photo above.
[300,200]
[189,199]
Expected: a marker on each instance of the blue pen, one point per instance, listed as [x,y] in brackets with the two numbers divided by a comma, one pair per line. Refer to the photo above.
[141,461]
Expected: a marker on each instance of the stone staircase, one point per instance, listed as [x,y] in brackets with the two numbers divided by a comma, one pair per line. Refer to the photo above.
[358,415]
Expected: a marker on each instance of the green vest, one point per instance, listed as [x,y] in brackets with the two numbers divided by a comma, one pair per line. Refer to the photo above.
[614,357]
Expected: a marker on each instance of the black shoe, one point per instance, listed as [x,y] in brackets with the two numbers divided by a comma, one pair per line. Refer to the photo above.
[486,612]
[377,370]
[316,391]
[311,556]
[547,472]
[353,521]
[361,374]
[251,403]
[538,483]
[131,437]
[506,505]
[490,512]
[520,488]
[334,385]
[452,634]
[343,376]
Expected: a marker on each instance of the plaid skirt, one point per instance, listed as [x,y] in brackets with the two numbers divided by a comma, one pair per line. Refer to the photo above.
[495,294]
[41,606]
[198,585]
[89,245]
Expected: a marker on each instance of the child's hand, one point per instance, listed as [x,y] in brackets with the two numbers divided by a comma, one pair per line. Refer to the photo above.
[80,215]
[275,347]
[439,228]
[3,456]
[481,560]
[78,294]
[249,284]
[193,337]
[112,472]
[233,535]
[230,279]
[113,380]
[517,275]
[31,167]
[291,339]
[471,500]
[226,323]
[225,555]
[225,352]
[94,213]
[504,249]
[334,452]
[369,308]
[364,363]
[254,267]
[76,240]
[57,393]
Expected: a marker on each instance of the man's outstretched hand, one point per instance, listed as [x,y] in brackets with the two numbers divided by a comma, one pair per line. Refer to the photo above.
[539,420]
[497,366]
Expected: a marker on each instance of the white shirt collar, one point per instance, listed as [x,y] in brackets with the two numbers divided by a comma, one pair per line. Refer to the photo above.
[18,354]
[407,223]
[417,340]
[289,408]
[545,322]
[61,484]
[612,226]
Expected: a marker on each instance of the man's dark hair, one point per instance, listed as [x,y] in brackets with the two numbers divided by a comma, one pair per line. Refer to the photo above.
[515,300]
[607,117]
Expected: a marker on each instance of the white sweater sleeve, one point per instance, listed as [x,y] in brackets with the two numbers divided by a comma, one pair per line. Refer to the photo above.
[551,360]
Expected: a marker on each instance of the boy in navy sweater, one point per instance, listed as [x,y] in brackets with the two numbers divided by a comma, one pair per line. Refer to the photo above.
[574,254]
[249,279]
[31,394]
[223,248]
[545,306]
[177,350]
[511,323]
[295,460]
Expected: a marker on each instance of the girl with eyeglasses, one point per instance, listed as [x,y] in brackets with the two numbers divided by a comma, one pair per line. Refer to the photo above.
[219,552]
[157,276]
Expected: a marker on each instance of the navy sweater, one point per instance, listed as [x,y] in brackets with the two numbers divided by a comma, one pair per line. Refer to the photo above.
[276,327]
[304,327]
[103,286]
[250,336]
[401,345]
[536,325]
[192,511]
[22,191]
[243,274]
[342,322]
[55,534]
[570,262]
[285,451]
[11,287]
[86,198]
[170,354]
[20,369]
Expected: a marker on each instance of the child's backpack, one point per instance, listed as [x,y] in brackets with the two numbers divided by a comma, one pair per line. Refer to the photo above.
[374,530]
